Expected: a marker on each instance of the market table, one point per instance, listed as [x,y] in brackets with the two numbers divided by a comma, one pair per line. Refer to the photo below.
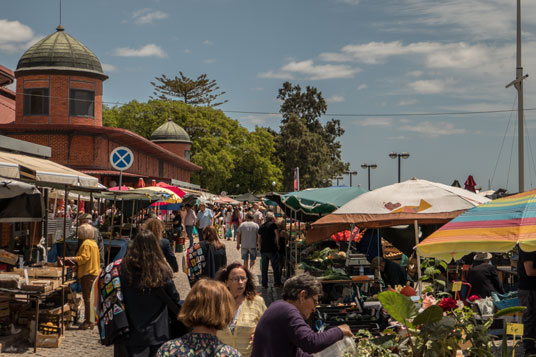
[38,297]
[362,280]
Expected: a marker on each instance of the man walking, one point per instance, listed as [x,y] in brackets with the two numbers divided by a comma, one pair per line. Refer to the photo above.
[526,290]
[269,242]
[247,237]
[205,218]
[189,223]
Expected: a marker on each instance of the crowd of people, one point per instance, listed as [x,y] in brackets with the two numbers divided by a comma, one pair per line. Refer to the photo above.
[138,309]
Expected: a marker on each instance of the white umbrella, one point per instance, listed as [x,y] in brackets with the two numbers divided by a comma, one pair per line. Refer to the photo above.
[413,201]
[401,203]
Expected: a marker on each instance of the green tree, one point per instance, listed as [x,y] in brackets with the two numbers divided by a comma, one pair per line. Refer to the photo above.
[228,152]
[304,142]
[197,92]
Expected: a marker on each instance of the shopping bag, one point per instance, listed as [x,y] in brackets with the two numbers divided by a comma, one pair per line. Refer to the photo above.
[344,347]
[229,233]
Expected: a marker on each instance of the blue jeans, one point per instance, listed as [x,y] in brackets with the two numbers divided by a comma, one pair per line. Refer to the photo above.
[190,233]
[274,259]
[200,233]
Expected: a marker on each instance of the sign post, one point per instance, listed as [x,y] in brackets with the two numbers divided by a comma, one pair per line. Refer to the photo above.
[121,159]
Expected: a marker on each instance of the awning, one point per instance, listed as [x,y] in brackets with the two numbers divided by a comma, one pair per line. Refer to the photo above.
[21,166]
[20,202]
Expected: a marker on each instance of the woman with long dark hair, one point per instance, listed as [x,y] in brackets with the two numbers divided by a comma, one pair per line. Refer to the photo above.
[214,252]
[157,227]
[145,276]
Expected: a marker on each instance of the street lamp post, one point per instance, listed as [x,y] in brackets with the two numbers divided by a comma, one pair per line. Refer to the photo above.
[368,167]
[338,178]
[394,155]
[350,173]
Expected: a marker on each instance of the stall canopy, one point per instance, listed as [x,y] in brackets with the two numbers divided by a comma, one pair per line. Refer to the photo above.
[20,202]
[495,226]
[21,166]
[250,197]
[401,203]
[320,201]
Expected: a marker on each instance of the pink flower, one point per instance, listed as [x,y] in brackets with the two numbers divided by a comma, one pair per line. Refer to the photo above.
[448,304]
[473,298]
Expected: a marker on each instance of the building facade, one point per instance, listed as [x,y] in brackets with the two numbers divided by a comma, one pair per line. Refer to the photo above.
[58,103]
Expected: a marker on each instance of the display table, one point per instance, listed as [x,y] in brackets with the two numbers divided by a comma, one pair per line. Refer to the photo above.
[37,297]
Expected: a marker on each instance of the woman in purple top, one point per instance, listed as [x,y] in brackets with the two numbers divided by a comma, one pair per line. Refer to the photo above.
[282,330]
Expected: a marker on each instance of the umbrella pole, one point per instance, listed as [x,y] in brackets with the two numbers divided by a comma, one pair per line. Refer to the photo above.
[416,229]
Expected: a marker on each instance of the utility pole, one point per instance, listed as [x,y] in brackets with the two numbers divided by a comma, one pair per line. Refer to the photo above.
[518,84]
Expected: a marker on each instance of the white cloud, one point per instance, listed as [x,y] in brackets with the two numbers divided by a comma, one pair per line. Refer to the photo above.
[208,43]
[108,67]
[362,86]
[335,99]
[147,16]
[433,129]
[479,19]
[15,36]
[187,51]
[209,60]
[408,102]
[150,50]
[415,73]
[308,70]
[431,86]
[375,121]
[260,119]
[350,2]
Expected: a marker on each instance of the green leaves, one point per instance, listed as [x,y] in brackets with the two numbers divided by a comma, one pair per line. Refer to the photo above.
[432,314]
[229,154]
[399,306]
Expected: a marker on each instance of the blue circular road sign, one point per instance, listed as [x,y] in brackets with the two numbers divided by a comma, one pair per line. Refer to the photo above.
[121,158]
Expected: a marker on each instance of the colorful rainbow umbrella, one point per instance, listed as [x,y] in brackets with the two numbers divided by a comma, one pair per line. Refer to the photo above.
[495,226]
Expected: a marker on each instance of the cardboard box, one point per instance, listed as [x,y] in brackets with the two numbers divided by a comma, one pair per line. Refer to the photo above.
[48,341]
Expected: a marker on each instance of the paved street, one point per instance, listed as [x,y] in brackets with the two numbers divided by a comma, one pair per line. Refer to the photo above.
[86,343]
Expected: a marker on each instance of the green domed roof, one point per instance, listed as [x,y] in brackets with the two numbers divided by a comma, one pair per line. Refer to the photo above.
[60,51]
[170,132]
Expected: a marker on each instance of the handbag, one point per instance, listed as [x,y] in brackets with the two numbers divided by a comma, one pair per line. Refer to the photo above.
[176,327]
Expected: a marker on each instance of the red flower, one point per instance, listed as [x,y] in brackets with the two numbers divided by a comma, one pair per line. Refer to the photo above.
[448,304]
[473,298]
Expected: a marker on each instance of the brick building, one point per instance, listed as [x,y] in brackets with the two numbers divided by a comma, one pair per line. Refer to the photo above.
[58,103]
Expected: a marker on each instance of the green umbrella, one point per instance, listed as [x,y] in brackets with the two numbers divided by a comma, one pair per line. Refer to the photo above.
[320,201]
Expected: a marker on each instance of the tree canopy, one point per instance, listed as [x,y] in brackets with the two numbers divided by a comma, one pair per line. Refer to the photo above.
[197,92]
[304,142]
[228,152]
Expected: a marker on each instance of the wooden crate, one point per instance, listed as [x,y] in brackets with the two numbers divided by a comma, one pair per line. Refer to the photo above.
[7,257]
[48,341]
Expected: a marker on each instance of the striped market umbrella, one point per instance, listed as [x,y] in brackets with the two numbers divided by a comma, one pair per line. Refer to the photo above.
[495,226]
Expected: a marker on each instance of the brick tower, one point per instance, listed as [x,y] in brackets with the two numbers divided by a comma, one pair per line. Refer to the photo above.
[59,81]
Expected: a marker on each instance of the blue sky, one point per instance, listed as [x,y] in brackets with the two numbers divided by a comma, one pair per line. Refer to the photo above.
[377,60]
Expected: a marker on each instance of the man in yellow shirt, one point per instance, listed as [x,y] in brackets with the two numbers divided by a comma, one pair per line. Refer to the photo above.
[88,260]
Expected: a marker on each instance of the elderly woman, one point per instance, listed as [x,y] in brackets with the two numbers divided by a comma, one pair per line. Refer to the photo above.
[209,307]
[88,260]
[249,307]
[157,227]
[282,330]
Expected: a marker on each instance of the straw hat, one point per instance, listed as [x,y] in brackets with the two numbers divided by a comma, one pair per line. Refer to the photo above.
[482,256]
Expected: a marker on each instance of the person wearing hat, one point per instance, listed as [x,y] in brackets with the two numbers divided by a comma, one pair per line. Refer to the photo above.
[483,276]
[88,218]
